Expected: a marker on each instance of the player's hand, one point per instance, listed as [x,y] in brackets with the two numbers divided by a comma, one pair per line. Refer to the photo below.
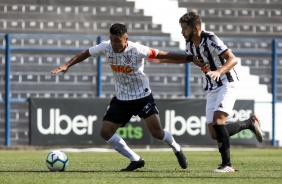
[214,74]
[205,68]
[198,62]
[62,69]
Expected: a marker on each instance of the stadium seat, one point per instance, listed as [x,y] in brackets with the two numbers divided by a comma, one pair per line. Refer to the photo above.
[265,80]
[245,12]
[277,29]
[154,27]
[50,9]
[14,25]
[261,13]
[229,28]
[228,13]
[214,27]
[263,29]
[66,78]
[69,25]
[157,79]
[15,78]
[264,45]
[245,28]
[16,59]
[33,8]
[107,79]
[32,25]
[90,79]
[279,63]
[29,78]
[176,80]
[50,25]
[48,78]
[15,8]
[248,45]
[276,13]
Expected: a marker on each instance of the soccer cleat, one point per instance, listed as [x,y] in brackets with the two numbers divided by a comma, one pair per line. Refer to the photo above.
[182,160]
[224,169]
[255,127]
[134,165]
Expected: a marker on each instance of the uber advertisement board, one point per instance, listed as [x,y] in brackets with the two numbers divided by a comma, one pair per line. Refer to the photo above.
[78,122]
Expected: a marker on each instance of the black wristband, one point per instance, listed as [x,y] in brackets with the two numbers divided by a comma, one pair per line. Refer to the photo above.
[189,58]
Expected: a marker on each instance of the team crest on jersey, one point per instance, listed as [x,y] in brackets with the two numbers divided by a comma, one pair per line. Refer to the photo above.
[127,59]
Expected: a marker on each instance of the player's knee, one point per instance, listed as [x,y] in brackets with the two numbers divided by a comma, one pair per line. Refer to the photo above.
[158,135]
[105,135]
[213,136]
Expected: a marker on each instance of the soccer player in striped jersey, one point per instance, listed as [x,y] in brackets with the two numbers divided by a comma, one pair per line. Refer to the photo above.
[133,93]
[220,82]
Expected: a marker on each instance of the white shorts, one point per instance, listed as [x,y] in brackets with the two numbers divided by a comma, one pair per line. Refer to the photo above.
[221,99]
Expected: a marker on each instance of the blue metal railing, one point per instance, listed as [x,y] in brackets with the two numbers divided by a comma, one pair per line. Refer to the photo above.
[274,53]
[7,90]
[99,70]
[274,87]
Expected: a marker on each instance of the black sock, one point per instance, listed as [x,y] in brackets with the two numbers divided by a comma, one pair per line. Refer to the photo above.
[223,143]
[234,128]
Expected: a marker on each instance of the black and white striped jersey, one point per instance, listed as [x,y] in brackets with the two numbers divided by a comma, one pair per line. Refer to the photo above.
[131,83]
[210,50]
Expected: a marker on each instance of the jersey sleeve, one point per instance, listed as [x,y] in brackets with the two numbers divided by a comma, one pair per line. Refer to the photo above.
[98,49]
[217,45]
[146,52]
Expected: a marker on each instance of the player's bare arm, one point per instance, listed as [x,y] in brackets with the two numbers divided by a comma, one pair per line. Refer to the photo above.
[198,62]
[170,61]
[174,58]
[76,59]
[169,55]
[231,61]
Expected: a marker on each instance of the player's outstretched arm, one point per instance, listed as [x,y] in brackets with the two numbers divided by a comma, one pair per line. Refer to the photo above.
[170,57]
[166,61]
[76,59]
[187,59]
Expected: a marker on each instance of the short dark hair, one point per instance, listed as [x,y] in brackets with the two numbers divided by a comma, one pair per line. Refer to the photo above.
[118,29]
[191,19]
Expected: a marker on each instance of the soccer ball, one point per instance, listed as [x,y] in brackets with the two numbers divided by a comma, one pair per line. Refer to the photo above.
[57,161]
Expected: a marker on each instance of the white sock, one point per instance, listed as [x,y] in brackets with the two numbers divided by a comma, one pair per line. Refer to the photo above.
[169,140]
[120,146]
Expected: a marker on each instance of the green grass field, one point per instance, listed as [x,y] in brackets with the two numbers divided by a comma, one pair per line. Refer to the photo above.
[259,166]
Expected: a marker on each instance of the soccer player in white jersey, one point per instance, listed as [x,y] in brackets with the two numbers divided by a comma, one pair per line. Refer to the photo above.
[220,83]
[133,93]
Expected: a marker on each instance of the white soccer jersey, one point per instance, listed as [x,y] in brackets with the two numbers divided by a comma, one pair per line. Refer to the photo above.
[131,83]
[209,50]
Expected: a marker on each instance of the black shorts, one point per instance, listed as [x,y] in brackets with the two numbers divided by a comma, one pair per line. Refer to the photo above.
[120,111]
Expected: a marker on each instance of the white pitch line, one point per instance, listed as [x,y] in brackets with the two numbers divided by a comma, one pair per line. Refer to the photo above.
[137,150]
